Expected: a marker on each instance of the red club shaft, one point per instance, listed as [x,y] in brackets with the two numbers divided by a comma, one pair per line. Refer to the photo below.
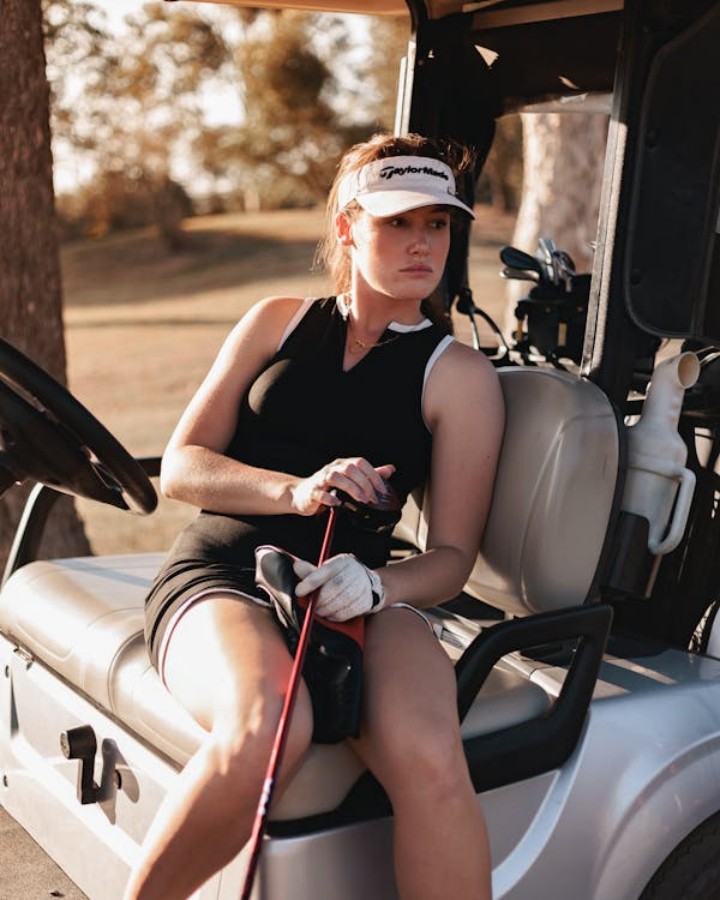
[283,729]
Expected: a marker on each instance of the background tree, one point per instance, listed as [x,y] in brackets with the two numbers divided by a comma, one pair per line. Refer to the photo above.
[286,148]
[30,291]
[139,111]
[143,110]
[563,164]
[157,79]
[501,180]
[388,46]
[76,42]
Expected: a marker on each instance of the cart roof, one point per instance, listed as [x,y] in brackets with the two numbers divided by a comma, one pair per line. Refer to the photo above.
[500,12]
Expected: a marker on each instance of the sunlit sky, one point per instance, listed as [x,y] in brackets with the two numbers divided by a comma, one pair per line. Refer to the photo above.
[116,12]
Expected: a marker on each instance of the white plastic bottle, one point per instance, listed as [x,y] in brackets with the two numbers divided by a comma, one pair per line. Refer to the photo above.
[658,486]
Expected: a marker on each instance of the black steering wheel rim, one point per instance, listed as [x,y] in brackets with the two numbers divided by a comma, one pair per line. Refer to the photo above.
[48,436]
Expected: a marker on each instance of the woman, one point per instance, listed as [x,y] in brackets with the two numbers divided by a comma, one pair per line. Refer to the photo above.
[307,398]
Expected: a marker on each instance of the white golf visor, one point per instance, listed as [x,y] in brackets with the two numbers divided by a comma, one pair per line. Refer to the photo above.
[388,187]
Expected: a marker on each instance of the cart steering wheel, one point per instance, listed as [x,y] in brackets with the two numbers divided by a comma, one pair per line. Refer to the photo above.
[48,436]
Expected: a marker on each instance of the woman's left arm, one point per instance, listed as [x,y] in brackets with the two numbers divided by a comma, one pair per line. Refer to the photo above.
[463,407]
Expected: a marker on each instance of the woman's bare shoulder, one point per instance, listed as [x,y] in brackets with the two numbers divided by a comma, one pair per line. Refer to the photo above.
[460,362]
[275,308]
[462,379]
[267,317]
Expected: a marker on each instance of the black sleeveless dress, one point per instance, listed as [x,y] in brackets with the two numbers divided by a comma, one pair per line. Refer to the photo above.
[301,412]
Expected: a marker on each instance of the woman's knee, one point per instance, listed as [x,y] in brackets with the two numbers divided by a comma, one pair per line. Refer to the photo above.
[242,739]
[430,758]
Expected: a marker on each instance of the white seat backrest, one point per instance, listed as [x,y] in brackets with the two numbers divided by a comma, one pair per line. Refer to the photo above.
[553,497]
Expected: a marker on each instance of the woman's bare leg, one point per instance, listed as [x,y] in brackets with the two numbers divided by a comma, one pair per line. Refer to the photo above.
[411,742]
[227,664]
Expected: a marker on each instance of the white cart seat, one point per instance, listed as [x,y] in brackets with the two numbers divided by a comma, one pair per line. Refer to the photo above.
[554,495]
[83,619]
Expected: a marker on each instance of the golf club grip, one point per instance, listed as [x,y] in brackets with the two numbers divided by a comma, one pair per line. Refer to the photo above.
[276,755]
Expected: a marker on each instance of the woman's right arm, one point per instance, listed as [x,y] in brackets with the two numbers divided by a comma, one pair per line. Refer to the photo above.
[195,468]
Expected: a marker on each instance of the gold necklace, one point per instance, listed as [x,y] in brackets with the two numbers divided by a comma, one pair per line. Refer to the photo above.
[357,345]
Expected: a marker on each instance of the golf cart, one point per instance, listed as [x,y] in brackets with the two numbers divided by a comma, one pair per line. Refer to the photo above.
[587,654]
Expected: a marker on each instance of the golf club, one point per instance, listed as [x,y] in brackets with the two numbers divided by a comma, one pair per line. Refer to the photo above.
[546,254]
[520,274]
[514,258]
[278,749]
[564,267]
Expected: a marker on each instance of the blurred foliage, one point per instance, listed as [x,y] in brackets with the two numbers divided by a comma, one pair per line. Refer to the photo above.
[116,200]
[286,149]
[388,45]
[131,106]
[76,40]
[127,108]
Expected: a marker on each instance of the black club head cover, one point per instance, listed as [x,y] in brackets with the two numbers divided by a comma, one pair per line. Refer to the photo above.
[333,662]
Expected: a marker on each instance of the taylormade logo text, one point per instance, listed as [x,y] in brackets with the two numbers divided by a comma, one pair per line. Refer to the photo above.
[388,172]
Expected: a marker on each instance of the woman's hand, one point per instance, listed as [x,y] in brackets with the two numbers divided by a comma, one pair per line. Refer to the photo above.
[347,587]
[355,476]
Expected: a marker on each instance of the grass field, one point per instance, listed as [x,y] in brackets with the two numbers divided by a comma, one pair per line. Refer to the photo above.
[142,326]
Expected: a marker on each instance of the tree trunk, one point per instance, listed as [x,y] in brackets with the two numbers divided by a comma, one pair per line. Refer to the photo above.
[563,166]
[30,286]
[563,159]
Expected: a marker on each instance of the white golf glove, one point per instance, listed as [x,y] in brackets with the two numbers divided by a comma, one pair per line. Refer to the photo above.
[347,587]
